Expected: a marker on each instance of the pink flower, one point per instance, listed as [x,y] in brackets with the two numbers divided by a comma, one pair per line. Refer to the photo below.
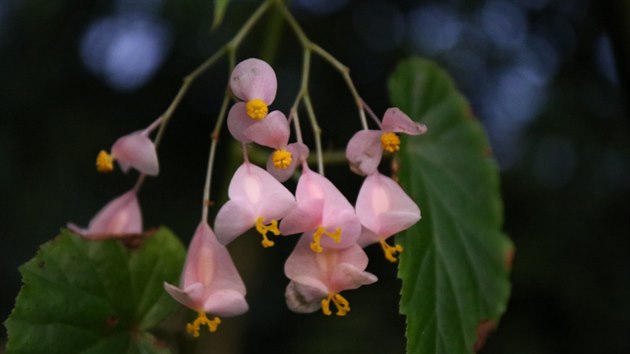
[318,278]
[365,148]
[134,150]
[256,199]
[384,210]
[210,282]
[119,217]
[254,82]
[321,211]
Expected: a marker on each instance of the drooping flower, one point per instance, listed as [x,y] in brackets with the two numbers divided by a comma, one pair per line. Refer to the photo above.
[365,148]
[322,213]
[210,283]
[273,132]
[254,82]
[134,150]
[317,279]
[258,200]
[120,217]
[384,210]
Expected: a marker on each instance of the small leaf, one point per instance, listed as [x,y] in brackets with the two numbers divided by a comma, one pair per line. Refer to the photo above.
[95,296]
[220,6]
[454,268]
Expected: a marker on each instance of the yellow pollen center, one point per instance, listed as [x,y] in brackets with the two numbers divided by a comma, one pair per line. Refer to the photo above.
[340,302]
[281,159]
[391,251]
[317,236]
[104,162]
[256,109]
[193,328]
[390,142]
[263,229]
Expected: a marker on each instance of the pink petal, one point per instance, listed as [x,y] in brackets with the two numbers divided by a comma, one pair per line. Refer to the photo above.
[346,220]
[238,122]
[226,303]
[304,295]
[396,121]
[191,297]
[299,153]
[208,262]
[138,151]
[261,191]
[307,215]
[121,216]
[233,219]
[364,151]
[384,208]
[273,131]
[367,237]
[302,262]
[254,78]
[346,277]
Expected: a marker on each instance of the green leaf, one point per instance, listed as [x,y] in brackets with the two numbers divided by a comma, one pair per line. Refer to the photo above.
[454,267]
[219,11]
[82,296]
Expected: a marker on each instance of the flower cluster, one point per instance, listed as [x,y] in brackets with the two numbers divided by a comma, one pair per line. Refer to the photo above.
[328,257]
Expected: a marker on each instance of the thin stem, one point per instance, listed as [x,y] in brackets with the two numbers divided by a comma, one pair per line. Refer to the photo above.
[371,113]
[213,148]
[317,133]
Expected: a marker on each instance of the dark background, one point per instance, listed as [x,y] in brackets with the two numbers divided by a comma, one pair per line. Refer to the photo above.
[548,79]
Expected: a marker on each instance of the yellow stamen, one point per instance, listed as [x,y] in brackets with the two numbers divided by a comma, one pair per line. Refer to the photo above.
[340,302]
[281,159]
[390,142]
[263,229]
[193,328]
[104,162]
[317,236]
[256,109]
[391,251]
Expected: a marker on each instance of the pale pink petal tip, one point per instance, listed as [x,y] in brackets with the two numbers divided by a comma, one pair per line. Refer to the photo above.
[253,78]
[364,151]
[396,121]
[238,122]
[137,151]
[273,131]
[120,217]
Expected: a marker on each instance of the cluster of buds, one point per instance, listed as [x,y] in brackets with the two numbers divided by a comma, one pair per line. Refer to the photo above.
[328,257]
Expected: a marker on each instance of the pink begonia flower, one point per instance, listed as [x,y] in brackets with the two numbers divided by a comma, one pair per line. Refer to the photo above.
[318,278]
[258,200]
[120,217]
[274,132]
[209,283]
[384,209]
[321,211]
[365,148]
[254,82]
[134,150]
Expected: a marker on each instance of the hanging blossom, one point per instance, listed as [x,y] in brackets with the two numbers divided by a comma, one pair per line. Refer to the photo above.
[317,279]
[118,218]
[134,150]
[323,214]
[365,148]
[258,200]
[254,82]
[384,210]
[210,283]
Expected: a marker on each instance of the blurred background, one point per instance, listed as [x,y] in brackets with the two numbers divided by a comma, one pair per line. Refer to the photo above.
[548,80]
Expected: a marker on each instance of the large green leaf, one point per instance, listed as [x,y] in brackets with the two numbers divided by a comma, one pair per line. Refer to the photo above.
[82,296]
[455,264]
